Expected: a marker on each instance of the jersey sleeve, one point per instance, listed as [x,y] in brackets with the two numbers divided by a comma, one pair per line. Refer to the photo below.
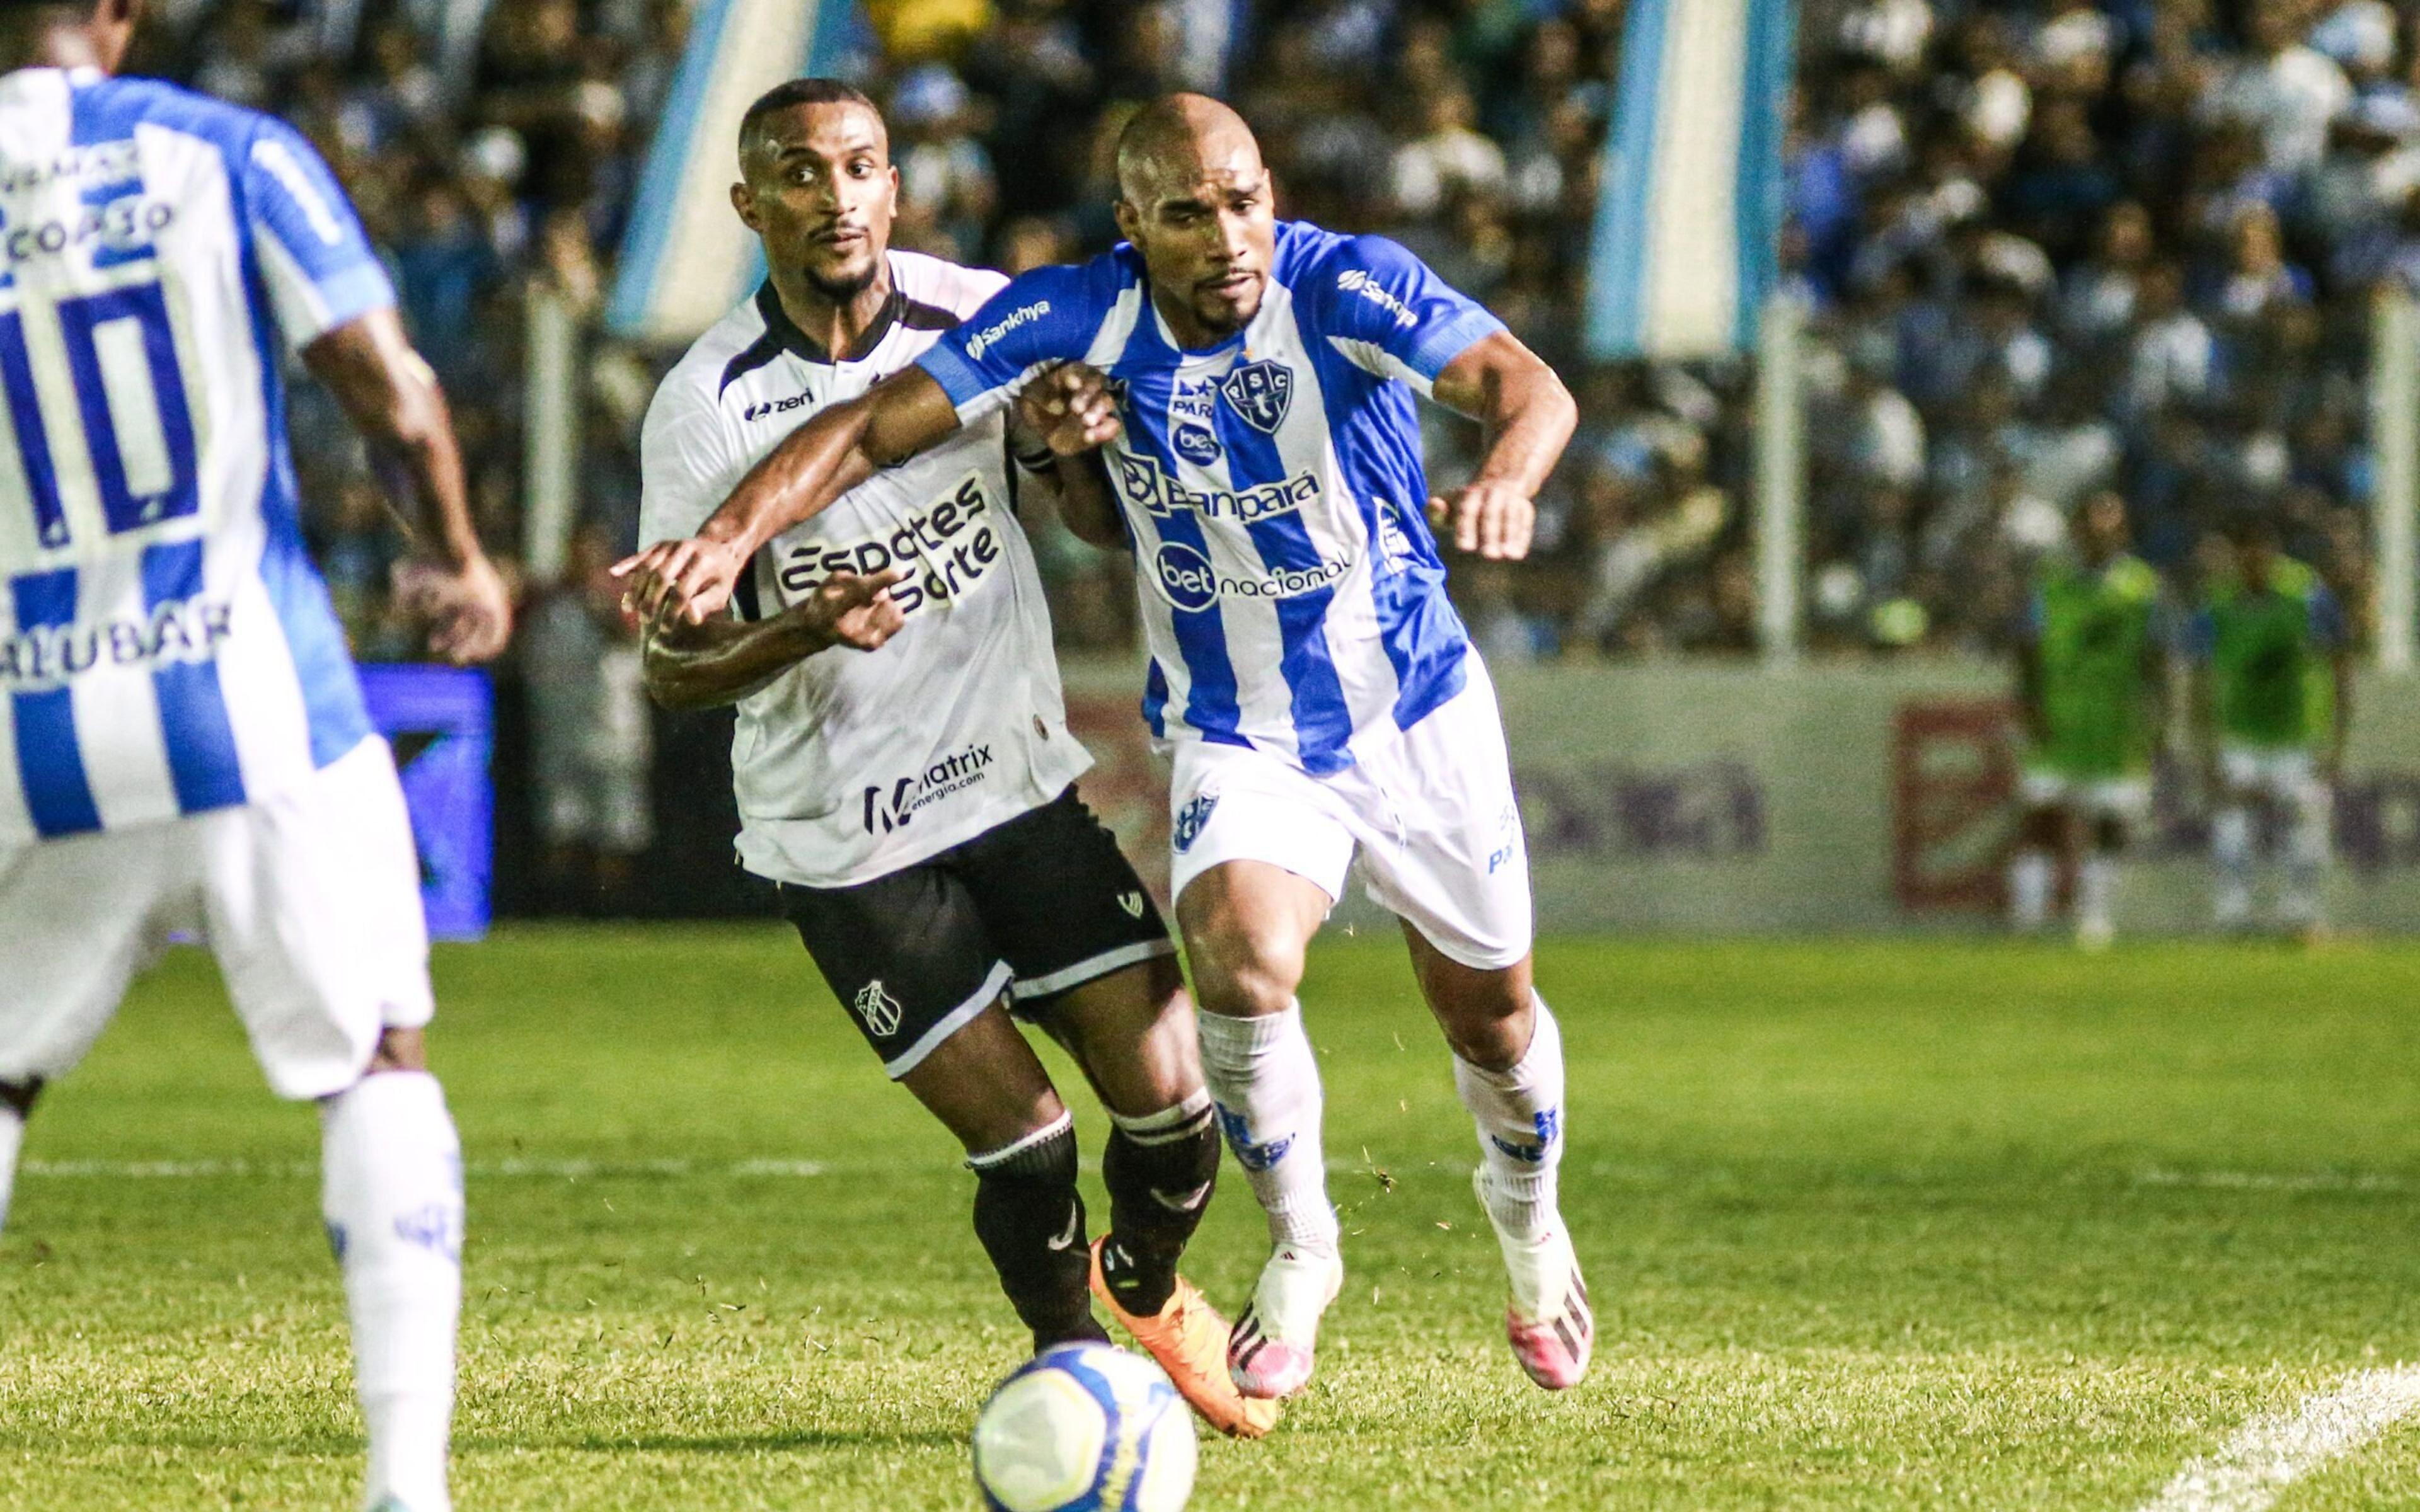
[1044,317]
[685,464]
[1383,309]
[315,258]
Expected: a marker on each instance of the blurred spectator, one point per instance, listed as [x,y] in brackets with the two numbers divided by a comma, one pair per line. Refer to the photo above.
[590,725]
[2284,89]
[1448,159]
[946,190]
[2172,359]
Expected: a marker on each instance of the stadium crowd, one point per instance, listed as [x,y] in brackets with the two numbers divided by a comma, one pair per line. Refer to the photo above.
[2046,249]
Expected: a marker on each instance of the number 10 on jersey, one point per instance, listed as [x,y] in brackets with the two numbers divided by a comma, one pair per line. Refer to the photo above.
[126,391]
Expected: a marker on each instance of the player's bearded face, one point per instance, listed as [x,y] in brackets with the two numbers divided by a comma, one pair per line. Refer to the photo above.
[822,194]
[1211,243]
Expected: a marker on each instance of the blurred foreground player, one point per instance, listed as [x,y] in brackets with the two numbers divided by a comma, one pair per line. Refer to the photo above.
[2090,678]
[186,748]
[2272,705]
[1318,693]
[917,806]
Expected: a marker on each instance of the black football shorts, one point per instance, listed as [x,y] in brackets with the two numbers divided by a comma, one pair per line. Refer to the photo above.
[1036,906]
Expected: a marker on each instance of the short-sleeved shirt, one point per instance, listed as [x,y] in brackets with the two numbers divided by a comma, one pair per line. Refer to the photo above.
[1293,598]
[167,646]
[850,766]
[2094,632]
[2270,657]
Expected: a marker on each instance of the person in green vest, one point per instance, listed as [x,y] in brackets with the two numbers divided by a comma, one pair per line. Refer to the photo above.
[2272,702]
[2091,679]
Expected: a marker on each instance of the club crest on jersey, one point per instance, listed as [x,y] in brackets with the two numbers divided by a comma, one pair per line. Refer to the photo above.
[879,1009]
[1262,392]
[1190,819]
[1132,903]
[1195,444]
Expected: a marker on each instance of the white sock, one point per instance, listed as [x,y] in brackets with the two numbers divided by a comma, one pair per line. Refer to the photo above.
[2307,849]
[2030,876]
[1520,1118]
[393,1200]
[12,1137]
[2096,886]
[1265,1081]
[2230,850]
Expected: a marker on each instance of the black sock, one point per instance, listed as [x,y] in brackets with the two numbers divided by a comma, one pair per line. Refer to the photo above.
[1032,1224]
[1159,1171]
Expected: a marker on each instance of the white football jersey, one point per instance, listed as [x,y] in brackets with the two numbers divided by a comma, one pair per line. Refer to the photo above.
[851,764]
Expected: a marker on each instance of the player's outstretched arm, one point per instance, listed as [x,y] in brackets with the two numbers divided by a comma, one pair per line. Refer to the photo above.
[1070,408]
[393,400]
[1529,418]
[798,479]
[707,666]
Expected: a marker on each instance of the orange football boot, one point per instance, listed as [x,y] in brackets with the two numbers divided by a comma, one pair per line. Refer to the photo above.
[1188,1338]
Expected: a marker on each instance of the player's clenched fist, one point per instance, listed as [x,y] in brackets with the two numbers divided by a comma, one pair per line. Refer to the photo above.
[1494,520]
[1070,407]
[689,579]
[469,608]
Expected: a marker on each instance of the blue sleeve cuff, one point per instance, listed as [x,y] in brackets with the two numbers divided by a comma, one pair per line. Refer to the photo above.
[355,293]
[1449,341]
[958,376]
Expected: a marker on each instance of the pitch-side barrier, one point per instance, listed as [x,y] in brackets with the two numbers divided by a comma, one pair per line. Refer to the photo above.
[1720,799]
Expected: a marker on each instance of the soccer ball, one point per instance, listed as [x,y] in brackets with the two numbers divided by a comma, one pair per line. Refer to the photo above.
[1085,1427]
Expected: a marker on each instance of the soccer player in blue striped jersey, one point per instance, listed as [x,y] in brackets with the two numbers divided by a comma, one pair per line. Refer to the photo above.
[1252,386]
[183,746]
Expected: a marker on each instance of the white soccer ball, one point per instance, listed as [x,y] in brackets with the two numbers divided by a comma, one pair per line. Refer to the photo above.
[1085,1427]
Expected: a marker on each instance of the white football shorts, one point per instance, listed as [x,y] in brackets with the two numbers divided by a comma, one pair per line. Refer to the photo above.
[310,899]
[2284,774]
[1430,810]
[2124,798]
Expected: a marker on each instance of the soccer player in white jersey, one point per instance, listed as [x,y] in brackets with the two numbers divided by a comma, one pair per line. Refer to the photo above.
[183,742]
[917,806]
[1252,383]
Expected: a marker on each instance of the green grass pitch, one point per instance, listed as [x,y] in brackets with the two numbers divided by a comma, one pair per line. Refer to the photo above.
[1869,1226]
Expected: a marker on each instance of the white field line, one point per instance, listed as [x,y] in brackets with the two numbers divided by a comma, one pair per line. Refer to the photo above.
[191,1171]
[2252,1468]
[2274,1180]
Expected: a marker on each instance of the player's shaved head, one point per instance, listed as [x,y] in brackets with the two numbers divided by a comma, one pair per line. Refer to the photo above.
[1194,198]
[1174,138]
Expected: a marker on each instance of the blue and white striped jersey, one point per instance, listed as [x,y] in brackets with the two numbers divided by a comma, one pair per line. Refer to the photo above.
[1292,598]
[167,646]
